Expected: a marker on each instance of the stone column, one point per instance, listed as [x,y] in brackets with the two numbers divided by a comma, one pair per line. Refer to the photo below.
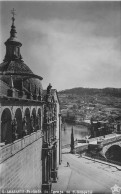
[54,129]
[55,150]
[54,170]
[49,156]
[47,133]
[60,140]
[43,166]
[52,160]
[46,183]
[51,131]
[47,168]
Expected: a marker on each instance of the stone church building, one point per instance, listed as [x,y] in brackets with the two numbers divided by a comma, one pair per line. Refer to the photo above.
[30,127]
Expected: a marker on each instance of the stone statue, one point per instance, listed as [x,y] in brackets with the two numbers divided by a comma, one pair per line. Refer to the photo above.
[14,130]
[25,131]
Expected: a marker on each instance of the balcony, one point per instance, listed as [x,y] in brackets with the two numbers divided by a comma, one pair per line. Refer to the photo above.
[9,150]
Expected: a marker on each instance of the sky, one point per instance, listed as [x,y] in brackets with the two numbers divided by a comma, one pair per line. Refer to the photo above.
[70,44]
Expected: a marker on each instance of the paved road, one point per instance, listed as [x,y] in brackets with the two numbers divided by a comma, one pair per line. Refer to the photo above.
[84,174]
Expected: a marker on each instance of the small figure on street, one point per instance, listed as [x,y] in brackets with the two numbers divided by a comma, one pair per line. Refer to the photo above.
[68,164]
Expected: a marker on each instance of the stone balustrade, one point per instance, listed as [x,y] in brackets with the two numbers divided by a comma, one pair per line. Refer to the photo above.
[81,148]
[112,140]
[8,150]
[95,138]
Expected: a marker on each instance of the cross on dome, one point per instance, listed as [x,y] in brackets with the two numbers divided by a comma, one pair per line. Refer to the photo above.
[13,14]
[13,28]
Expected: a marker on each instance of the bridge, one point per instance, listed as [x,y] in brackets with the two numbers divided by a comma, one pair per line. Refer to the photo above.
[109,147]
[111,143]
[112,148]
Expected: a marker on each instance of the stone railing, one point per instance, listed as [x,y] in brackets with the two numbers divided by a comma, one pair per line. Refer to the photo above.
[95,138]
[81,148]
[69,145]
[66,146]
[105,159]
[111,140]
[8,150]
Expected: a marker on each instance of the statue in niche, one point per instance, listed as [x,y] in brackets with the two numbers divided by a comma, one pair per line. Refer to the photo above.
[32,123]
[37,127]
[14,130]
[25,131]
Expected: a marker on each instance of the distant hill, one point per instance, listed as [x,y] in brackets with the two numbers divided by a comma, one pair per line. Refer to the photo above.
[115,92]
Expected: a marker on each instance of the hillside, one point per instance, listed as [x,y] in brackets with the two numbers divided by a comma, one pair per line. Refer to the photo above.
[114,92]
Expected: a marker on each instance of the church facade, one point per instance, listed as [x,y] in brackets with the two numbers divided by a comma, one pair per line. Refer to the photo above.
[30,128]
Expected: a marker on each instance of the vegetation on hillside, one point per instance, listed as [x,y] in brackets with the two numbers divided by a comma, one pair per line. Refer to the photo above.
[115,92]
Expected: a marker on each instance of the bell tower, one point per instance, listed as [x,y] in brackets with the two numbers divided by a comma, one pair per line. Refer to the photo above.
[13,44]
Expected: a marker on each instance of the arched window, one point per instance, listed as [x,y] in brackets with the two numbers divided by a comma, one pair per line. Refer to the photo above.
[18,116]
[6,128]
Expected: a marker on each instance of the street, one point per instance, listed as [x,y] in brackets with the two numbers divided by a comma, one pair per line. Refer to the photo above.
[88,175]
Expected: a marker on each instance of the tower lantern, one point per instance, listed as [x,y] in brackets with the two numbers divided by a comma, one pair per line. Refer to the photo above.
[13,44]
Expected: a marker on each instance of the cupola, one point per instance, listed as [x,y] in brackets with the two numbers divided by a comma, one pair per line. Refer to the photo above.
[13,67]
[13,44]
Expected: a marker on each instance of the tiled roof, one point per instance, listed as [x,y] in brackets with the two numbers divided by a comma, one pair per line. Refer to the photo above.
[18,66]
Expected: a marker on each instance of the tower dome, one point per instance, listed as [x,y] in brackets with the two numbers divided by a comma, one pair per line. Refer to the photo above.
[13,64]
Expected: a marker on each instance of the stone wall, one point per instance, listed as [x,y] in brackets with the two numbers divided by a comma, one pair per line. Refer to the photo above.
[21,163]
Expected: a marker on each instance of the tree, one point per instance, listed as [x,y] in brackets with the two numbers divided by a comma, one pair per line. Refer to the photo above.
[72,140]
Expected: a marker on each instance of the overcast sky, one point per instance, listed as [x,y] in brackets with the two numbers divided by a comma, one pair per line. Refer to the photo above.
[69,44]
